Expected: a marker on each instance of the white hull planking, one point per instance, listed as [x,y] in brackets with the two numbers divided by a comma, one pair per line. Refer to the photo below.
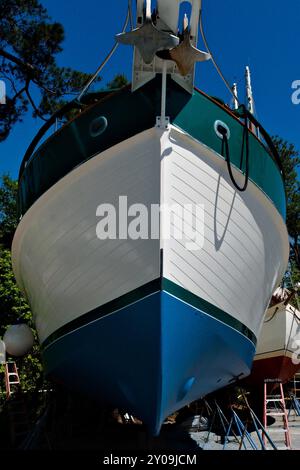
[66,271]
[245,249]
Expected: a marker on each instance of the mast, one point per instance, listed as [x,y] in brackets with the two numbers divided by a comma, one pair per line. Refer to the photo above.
[235,99]
[250,99]
[249,92]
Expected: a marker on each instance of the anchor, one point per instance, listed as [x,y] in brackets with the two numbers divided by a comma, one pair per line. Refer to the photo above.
[185,55]
[147,38]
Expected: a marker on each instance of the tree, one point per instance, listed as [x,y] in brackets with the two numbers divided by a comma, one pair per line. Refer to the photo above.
[13,306]
[291,162]
[119,81]
[8,210]
[29,44]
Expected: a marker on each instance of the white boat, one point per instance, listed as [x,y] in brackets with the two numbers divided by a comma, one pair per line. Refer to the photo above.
[278,348]
[151,324]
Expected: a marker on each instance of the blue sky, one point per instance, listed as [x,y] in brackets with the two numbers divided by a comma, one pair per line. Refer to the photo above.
[261,33]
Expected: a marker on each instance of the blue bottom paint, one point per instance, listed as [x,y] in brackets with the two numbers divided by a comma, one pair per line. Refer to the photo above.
[151,358]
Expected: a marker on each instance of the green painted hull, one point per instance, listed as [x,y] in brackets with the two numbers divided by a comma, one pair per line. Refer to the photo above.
[128,114]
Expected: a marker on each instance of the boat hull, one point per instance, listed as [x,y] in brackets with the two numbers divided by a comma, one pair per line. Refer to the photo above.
[150,357]
[277,355]
[281,367]
[175,344]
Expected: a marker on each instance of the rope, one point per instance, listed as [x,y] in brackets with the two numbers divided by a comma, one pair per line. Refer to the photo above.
[274,313]
[109,55]
[247,115]
[75,103]
[213,59]
[242,111]
[227,156]
[130,14]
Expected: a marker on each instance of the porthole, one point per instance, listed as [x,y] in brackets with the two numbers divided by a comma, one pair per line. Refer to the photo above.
[98,126]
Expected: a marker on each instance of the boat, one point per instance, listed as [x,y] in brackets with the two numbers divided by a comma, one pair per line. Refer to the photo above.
[149,321]
[277,355]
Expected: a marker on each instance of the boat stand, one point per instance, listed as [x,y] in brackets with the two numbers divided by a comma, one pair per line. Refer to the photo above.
[243,437]
[243,433]
[216,414]
[294,405]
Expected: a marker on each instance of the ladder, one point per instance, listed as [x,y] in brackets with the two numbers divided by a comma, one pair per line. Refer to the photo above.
[11,377]
[19,423]
[15,405]
[274,406]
